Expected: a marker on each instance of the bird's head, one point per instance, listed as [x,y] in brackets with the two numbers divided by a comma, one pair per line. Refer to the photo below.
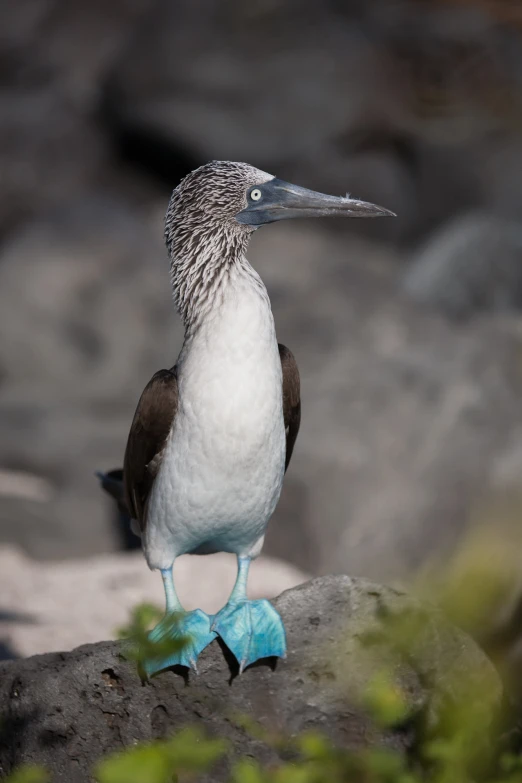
[241,198]
[212,213]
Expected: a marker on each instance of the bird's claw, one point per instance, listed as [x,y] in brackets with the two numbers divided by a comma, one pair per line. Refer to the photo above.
[251,630]
[180,638]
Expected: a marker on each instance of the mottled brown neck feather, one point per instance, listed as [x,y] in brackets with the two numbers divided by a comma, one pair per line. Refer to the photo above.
[202,258]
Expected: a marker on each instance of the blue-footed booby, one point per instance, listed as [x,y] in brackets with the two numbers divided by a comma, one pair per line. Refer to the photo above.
[212,437]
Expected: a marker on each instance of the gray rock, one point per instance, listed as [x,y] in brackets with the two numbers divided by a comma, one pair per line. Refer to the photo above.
[53,59]
[472,264]
[67,710]
[502,187]
[273,96]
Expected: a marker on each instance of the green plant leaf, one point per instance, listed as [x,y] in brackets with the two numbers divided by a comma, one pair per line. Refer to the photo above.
[190,750]
[385,701]
[144,764]
[247,771]
[28,774]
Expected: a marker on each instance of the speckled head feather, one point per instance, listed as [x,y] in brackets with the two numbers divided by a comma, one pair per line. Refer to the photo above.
[205,241]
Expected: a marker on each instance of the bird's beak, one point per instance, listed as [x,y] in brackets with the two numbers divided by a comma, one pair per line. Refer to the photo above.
[280,200]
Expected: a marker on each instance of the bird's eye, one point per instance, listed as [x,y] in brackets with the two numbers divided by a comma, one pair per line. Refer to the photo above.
[255,194]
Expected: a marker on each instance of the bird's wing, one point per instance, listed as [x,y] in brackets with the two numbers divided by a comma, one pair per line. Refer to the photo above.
[291,399]
[147,437]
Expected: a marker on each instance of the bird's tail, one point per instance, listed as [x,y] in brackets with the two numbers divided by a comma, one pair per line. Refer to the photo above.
[112,483]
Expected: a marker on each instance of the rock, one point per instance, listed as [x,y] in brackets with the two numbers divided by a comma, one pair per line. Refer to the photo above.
[58,605]
[53,60]
[66,710]
[83,276]
[503,190]
[232,48]
[472,264]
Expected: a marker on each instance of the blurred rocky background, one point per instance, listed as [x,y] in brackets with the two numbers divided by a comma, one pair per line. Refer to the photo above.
[408,332]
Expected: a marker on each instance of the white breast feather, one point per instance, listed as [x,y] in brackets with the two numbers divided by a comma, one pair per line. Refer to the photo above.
[223,465]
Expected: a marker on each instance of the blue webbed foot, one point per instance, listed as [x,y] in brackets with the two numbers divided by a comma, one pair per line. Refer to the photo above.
[180,637]
[251,630]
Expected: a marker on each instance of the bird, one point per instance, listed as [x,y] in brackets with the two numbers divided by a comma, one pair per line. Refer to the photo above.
[212,437]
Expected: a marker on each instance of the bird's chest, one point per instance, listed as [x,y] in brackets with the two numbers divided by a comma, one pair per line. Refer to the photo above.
[223,465]
[231,390]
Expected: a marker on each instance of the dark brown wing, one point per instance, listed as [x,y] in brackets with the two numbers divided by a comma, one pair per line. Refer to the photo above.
[291,399]
[148,433]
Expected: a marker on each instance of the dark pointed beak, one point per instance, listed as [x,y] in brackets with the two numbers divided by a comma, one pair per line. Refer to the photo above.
[280,200]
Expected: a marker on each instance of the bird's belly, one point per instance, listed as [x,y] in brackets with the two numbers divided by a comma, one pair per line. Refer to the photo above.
[223,466]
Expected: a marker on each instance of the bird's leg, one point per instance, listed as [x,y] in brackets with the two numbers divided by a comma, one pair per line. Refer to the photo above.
[250,629]
[180,636]
[172,602]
